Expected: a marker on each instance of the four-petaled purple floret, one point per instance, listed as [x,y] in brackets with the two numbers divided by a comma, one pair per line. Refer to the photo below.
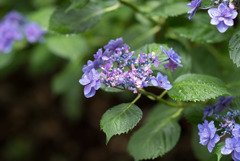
[91,81]
[207,133]
[195,5]
[161,81]
[222,103]
[222,17]
[232,145]
[174,59]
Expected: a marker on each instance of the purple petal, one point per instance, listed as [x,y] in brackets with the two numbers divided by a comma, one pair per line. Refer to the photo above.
[222,27]
[213,12]
[214,21]
[98,85]
[228,21]
[91,93]
[87,89]
[226,151]
[234,14]
[236,155]
[154,82]
[84,81]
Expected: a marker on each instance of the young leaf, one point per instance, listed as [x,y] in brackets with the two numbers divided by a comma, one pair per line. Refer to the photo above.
[120,119]
[234,48]
[217,150]
[156,137]
[76,20]
[196,87]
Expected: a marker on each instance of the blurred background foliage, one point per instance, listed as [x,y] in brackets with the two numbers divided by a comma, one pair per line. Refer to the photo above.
[43,114]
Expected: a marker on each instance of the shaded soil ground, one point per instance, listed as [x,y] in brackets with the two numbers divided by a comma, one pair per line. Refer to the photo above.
[33,126]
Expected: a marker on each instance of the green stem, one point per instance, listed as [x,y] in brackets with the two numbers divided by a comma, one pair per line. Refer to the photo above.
[130,5]
[135,100]
[162,94]
[112,7]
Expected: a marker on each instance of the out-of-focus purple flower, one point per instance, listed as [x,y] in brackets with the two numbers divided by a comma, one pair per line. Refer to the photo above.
[91,81]
[236,130]
[88,67]
[9,33]
[194,5]
[33,32]
[15,18]
[207,133]
[222,17]
[174,59]
[222,103]
[161,81]
[208,111]
[232,145]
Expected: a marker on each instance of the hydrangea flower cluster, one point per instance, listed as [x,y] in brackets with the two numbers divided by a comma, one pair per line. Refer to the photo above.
[14,27]
[222,16]
[227,127]
[118,67]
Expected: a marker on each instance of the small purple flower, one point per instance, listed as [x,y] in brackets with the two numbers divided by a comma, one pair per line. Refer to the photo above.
[174,59]
[9,33]
[208,111]
[113,45]
[88,67]
[232,145]
[92,82]
[15,18]
[236,130]
[222,103]
[33,32]
[207,133]
[222,17]
[195,5]
[161,81]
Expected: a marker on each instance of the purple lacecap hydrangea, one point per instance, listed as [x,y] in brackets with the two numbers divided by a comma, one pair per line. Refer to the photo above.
[13,27]
[222,17]
[91,81]
[174,59]
[161,81]
[232,145]
[207,133]
[122,69]
[33,32]
[194,5]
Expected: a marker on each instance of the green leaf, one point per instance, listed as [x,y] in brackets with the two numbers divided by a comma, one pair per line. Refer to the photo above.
[77,4]
[200,30]
[69,47]
[76,20]
[196,87]
[5,59]
[67,78]
[156,137]
[217,150]
[138,35]
[42,16]
[194,113]
[120,119]
[234,48]
[171,10]
[161,112]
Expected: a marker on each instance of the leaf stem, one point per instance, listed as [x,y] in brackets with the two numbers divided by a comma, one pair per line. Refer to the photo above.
[135,100]
[162,94]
